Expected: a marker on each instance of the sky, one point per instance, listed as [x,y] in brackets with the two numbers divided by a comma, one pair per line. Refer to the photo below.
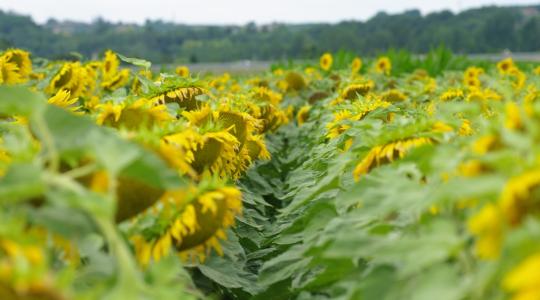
[232,11]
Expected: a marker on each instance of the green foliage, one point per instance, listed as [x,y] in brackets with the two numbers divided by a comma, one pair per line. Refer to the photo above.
[484,30]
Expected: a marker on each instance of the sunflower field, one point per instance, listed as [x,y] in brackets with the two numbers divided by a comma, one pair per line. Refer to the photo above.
[392,177]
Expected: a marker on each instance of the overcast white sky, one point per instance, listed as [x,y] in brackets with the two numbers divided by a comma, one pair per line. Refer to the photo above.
[232,11]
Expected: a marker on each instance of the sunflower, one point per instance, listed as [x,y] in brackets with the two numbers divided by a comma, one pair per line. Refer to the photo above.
[451,94]
[186,97]
[137,86]
[9,72]
[505,65]
[63,99]
[471,77]
[335,127]
[516,201]
[182,71]
[518,78]
[238,123]
[209,152]
[326,61]
[295,81]
[531,97]
[303,114]
[356,65]
[116,81]
[26,270]
[257,148]
[190,222]
[266,95]
[524,279]
[110,64]
[354,90]
[355,112]
[133,196]
[513,116]
[488,228]
[383,65]
[21,59]
[70,77]
[387,153]
[140,113]
[272,118]
[393,95]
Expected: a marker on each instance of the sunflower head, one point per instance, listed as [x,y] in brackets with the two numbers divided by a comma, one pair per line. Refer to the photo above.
[174,89]
[71,77]
[505,65]
[451,94]
[9,72]
[354,90]
[326,61]
[116,80]
[303,114]
[295,81]
[356,65]
[393,95]
[383,65]
[182,71]
[189,222]
[21,59]
[110,64]
[257,148]
[132,114]
[265,94]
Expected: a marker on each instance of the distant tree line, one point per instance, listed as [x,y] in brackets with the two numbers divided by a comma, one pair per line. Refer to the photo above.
[482,30]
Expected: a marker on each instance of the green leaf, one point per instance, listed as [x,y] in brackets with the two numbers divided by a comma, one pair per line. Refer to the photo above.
[15,100]
[21,182]
[135,61]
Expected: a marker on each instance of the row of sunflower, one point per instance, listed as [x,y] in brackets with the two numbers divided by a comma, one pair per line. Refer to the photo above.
[208,130]
[409,187]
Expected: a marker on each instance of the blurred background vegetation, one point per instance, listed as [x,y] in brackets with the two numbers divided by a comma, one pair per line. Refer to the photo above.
[483,30]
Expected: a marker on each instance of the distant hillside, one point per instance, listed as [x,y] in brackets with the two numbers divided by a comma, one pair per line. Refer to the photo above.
[482,30]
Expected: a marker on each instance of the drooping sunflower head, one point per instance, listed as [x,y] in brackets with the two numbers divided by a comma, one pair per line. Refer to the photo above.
[210,152]
[189,221]
[265,94]
[393,95]
[241,124]
[132,114]
[9,72]
[272,118]
[257,148]
[26,270]
[71,77]
[21,59]
[116,80]
[303,114]
[326,61]
[295,81]
[352,91]
[451,94]
[386,153]
[383,65]
[173,89]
